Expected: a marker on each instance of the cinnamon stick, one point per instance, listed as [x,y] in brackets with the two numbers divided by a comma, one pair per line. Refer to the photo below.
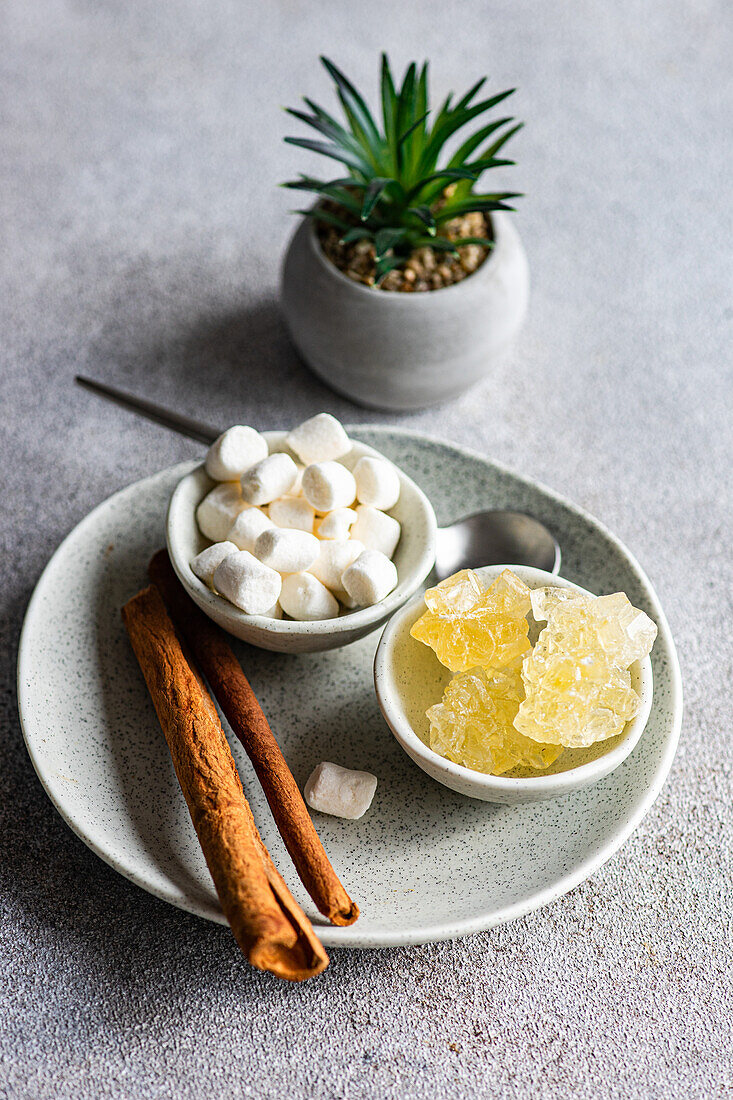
[268,924]
[232,689]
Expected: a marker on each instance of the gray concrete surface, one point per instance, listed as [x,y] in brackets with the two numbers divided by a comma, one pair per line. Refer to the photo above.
[141,234]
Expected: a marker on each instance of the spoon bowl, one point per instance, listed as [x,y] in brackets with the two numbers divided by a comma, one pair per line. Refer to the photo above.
[492,537]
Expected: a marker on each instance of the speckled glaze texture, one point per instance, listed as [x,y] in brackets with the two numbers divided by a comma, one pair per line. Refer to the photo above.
[424,863]
[403,351]
[414,558]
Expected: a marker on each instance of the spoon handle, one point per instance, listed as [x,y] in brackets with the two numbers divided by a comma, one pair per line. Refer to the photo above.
[185,425]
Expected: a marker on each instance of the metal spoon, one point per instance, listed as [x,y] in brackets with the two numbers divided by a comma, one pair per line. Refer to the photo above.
[486,538]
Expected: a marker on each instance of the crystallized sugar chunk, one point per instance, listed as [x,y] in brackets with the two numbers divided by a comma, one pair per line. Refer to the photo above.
[269,479]
[287,550]
[247,528]
[336,524]
[376,530]
[468,626]
[319,439]
[205,564]
[247,583]
[340,791]
[473,724]
[334,556]
[303,597]
[576,680]
[377,483]
[218,510]
[292,512]
[370,578]
[233,452]
[328,485]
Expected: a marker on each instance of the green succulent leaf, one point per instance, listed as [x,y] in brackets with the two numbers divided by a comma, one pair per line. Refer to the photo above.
[375,189]
[385,265]
[425,215]
[328,128]
[333,191]
[355,108]
[386,239]
[358,233]
[470,205]
[333,151]
[438,244]
[485,241]
[469,146]
[326,216]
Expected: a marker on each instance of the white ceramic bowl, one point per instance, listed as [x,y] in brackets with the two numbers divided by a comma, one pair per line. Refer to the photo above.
[409,679]
[414,559]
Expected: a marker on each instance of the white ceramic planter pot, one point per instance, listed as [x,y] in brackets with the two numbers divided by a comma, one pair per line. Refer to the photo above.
[390,350]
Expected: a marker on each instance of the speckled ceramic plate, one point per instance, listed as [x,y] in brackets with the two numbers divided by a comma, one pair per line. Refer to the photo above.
[424,863]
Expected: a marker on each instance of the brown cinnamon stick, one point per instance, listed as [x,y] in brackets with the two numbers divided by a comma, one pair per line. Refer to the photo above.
[268,924]
[231,687]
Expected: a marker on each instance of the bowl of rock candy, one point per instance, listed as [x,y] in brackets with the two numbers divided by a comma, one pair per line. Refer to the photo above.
[510,685]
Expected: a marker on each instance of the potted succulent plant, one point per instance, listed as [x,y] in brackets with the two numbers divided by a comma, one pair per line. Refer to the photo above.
[404,284]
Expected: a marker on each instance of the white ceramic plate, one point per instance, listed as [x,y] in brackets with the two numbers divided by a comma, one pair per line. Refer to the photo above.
[424,863]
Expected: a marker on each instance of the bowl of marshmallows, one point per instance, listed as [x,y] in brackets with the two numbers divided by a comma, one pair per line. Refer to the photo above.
[299,541]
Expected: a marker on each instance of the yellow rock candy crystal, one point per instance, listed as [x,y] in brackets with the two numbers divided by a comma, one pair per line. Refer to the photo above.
[469,626]
[576,680]
[473,725]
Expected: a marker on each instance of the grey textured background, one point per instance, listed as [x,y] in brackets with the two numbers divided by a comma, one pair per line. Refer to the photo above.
[140,146]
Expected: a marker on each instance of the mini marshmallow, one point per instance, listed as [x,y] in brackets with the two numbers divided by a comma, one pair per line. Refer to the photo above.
[293,512]
[340,791]
[269,479]
[218,511]
[205,564]
[287,550]
[377,483]
[328,485]
[247,583]
[376,530]
[247,528]
[333,557]
[275,612]
[370,578]
[319,439]
[297,488]
[303,597]
[233,452]
[336,524]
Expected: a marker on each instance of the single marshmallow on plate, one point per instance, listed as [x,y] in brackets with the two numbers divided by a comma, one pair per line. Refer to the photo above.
[336,524]
[340,791]
[269,479]
[376,530]
[233,452]
[377,483]
[293,512]
[370,578]
[218,510]
[247,583]
[304,598]
[335,555]
[328,485]
[287,550]
[247,528]
[318,439]
[205,564]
